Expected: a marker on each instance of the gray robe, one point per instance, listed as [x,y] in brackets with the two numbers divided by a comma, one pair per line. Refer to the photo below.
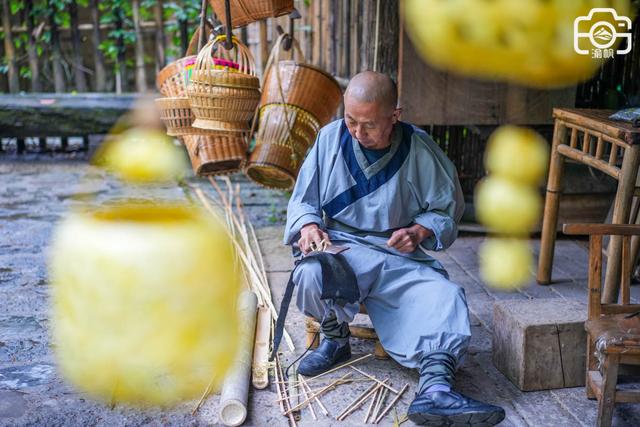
[413,306]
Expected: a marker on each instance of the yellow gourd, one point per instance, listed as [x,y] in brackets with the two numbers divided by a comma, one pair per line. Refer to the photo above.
[143,302]
[530,42]
[505,263]
[506,206]
[518,154]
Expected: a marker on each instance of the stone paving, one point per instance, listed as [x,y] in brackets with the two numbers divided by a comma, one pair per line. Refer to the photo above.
[36,194]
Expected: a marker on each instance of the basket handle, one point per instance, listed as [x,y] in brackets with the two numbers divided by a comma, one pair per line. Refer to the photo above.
[242,57]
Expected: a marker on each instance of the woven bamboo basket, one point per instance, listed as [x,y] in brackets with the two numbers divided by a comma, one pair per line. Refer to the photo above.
[285,134]
[172,80]
[177,116]
[300,84]
[244,12]
[216,154]
[223,98]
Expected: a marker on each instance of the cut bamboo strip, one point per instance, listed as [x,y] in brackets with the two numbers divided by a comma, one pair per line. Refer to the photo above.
[323,390]
[317,399]
[306,396]
[374,379]
[378,407]
[288,413]
[294,395]
[373,399]
[344,365]
[354,406]
[390,405]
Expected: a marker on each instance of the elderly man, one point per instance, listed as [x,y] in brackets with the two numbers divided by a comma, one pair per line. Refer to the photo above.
[386,191]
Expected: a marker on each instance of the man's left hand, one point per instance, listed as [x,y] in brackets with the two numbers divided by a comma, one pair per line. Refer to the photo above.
[407,239]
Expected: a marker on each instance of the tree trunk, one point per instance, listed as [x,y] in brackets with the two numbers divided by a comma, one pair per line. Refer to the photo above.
[98,58]
[141,75]
[10,52]
[81,81]
[31,48]
[121,67]
[56,55]
[160,38]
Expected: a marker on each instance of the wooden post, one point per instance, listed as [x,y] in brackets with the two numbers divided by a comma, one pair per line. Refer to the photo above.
[9,50]
[264,45]
[81,81]
[551,206]
[100,83]
[621,208]
[31,48]
[160,38]
[389,37]
[56,55]
[141,75]
[317,33]
[607,400]
[121,78]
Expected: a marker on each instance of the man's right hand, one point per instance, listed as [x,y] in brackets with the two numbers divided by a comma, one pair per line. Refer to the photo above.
[312,234]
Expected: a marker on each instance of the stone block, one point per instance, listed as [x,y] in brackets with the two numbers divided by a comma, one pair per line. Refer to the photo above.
[540,344]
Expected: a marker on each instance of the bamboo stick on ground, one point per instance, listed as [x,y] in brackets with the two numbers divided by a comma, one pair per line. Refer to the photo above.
[294,397]
[317,399]
[374,379]
[305,396]
[323,390]
[279,385]
[287,411]
[349,363]
[260,368]
[373,399]
[357,404]
[390,405]
[380,403]
[358,399]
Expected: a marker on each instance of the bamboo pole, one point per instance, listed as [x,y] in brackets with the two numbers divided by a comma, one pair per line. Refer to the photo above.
[100,82]
[32,53]
[56,55]
[235,391]
[9,50]
[141,75]
[260,371]
[78,68]
[159,35]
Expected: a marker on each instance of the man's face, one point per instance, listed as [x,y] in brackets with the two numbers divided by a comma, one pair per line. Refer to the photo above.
[369,122]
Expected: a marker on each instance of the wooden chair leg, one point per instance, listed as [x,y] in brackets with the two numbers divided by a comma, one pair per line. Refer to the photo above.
[551,206]
[379,352]
[313,339]
[591,366]
[607,401]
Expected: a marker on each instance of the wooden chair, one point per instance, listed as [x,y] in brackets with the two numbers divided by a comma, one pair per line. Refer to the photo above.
[312,328]
[613,330]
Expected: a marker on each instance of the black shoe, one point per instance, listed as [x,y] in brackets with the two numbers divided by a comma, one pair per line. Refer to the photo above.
[445,408]
[328,354]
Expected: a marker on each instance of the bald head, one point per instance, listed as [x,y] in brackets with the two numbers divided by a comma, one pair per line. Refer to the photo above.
[372,87]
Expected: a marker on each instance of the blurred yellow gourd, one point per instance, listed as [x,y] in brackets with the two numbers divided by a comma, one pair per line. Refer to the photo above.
[142,155]
[517,154]
[529,42]
[506,206]
[505,263]
[143,301]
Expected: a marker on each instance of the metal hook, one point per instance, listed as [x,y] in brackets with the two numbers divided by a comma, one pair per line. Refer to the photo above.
[228,43]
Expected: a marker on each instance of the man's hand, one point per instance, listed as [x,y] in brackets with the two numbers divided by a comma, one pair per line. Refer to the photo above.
[407,239]
[311,234]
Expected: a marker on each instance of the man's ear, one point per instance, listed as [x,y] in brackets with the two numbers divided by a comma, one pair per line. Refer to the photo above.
[396,115]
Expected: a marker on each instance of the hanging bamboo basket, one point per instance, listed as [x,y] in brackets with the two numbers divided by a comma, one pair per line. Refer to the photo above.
[288,121]
[177,116]
[224,98]
[244,12]
[216,154]
[285,133]
[173,79]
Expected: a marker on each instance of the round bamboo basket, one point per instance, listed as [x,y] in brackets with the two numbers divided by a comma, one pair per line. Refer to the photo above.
[216,154]
[173,79]
[285,134]
[177,116]
[244,12]
[224,99]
